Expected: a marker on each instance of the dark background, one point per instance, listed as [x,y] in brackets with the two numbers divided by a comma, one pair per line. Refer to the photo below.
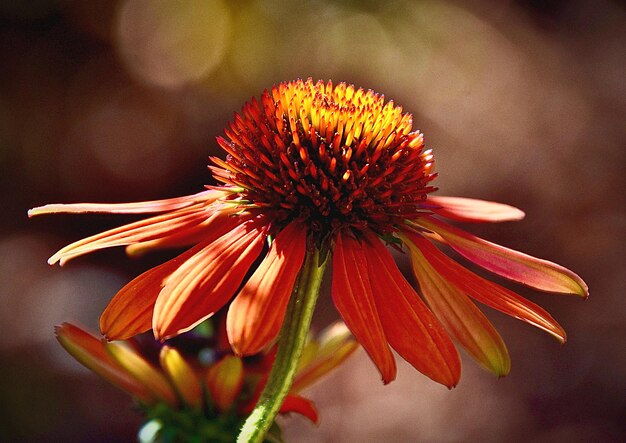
[522,101]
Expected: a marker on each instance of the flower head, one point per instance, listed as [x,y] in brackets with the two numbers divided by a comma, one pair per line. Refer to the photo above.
[314,165]
[330,157]
[194,380]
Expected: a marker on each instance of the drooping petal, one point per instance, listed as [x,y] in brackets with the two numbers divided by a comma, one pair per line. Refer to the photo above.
[145,207]
[130,312]
[256,314]
[217,223]
[182,376]
[207,280]
[224,381]
[336,345]
[91,352]
[300,405]
[353,296]
[412,330]
[492,294]
[142,370]
[140,231]
[461,318]
[514,265]
[473,210]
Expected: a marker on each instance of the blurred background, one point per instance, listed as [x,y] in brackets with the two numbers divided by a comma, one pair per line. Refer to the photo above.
[523,102]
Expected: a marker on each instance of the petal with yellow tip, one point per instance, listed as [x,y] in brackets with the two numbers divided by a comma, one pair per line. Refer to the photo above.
[322,364]
[182,375]
[143,371]
[492,294]
[91,352]
[526,269]
[224,381]
[461,318]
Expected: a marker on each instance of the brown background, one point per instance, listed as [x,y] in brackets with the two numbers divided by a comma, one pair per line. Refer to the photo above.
[523,102]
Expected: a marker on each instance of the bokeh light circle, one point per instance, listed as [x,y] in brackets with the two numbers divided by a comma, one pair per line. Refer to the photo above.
[171,43]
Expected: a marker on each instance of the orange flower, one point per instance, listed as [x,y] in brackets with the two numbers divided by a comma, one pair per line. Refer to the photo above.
[312,165]
[178,378]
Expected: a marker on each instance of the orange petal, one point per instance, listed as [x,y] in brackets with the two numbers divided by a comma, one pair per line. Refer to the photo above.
[412,330]
[144,207]
[142,371]
[292,403]
[205,282]
[461,318]
[514,265]
[336,345]
[492,294]
[256,314]
[182,375]
[473,210]
[216,224]
[152,228]
[91,352]
[130,312]
[224,381]
[300,405]
[353,296]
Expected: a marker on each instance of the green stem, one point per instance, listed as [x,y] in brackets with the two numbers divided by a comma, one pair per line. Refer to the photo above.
[291,341]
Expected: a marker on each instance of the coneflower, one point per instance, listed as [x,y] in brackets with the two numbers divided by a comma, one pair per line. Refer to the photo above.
[318,173]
